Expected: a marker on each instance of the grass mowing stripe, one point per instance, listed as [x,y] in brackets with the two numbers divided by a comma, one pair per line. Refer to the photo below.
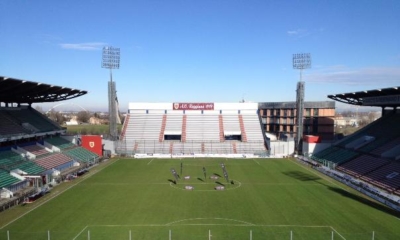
[275,198]
[58,193]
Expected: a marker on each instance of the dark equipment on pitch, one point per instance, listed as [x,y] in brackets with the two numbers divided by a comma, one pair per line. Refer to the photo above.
[225,172]
[181,167]
[174,174]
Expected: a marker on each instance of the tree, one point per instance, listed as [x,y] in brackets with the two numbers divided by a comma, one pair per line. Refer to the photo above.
[83,116]
[56,117]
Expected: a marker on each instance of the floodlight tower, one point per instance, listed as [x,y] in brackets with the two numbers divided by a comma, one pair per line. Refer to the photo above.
[111,58]
[300,61]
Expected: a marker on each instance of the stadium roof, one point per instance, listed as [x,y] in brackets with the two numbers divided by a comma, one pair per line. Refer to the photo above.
[378,97]
[20,91]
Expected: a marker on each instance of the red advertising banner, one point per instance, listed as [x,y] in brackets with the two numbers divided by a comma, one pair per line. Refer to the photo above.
[93,143]
[193,106]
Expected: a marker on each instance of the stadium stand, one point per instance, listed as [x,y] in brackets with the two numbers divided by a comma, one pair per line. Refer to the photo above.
[26,164]
[371,153]
[226,128]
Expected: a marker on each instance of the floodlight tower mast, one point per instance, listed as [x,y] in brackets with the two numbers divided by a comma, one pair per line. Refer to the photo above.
[300,61]
[111,59]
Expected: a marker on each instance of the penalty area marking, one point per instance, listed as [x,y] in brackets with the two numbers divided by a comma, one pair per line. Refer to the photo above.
[235,223]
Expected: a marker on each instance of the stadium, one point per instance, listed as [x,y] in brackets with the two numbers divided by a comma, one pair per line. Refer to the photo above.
[182,170]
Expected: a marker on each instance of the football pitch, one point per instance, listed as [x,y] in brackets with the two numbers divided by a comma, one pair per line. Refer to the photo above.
[262,199]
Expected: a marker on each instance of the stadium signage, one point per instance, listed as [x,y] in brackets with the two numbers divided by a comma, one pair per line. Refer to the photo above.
[193,106]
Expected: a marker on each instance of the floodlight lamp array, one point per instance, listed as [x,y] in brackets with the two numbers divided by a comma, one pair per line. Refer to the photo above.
[301,60]
[111,58]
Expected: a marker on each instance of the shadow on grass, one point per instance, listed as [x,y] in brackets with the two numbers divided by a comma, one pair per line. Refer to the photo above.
[364,200]
[302,176]
[216,174]
[359,198]
[200,179]
[219,183]
[172,181]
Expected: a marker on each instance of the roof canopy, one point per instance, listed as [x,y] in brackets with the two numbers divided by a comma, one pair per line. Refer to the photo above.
[376,98]
[20,91]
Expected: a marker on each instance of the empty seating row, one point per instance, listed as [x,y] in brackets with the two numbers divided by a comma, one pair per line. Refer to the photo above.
[6,179]
[253,127]
[53,161]
[336,155]
[59,142]
[29,167]
[35,149]
[362,165]
[39,122]
[231,123]
[386,177]
[81,154]
[194,147]
[385,128]
[143,126]
[9,158]
[385,147]
[8,127]
[202,127]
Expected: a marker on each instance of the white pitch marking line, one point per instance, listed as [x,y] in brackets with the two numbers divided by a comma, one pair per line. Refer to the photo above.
[150,161]
[239,224]
[338,233]
[173,185]
[226,219]
[80,233]
[256,161]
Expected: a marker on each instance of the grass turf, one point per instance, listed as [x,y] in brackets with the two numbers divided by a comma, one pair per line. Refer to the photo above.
[270,199]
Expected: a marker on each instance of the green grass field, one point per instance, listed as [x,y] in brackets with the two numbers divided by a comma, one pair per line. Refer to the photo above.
[270,199]
[90,129]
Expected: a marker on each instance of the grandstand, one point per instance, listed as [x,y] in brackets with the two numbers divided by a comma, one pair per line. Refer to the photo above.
[369,156]
[32,151]
[192,128]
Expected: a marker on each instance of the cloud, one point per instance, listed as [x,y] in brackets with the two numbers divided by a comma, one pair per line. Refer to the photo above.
[298,33]
[358,76]
[83,46]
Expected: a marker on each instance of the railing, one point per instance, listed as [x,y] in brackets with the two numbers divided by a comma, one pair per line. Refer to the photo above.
[188,147]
